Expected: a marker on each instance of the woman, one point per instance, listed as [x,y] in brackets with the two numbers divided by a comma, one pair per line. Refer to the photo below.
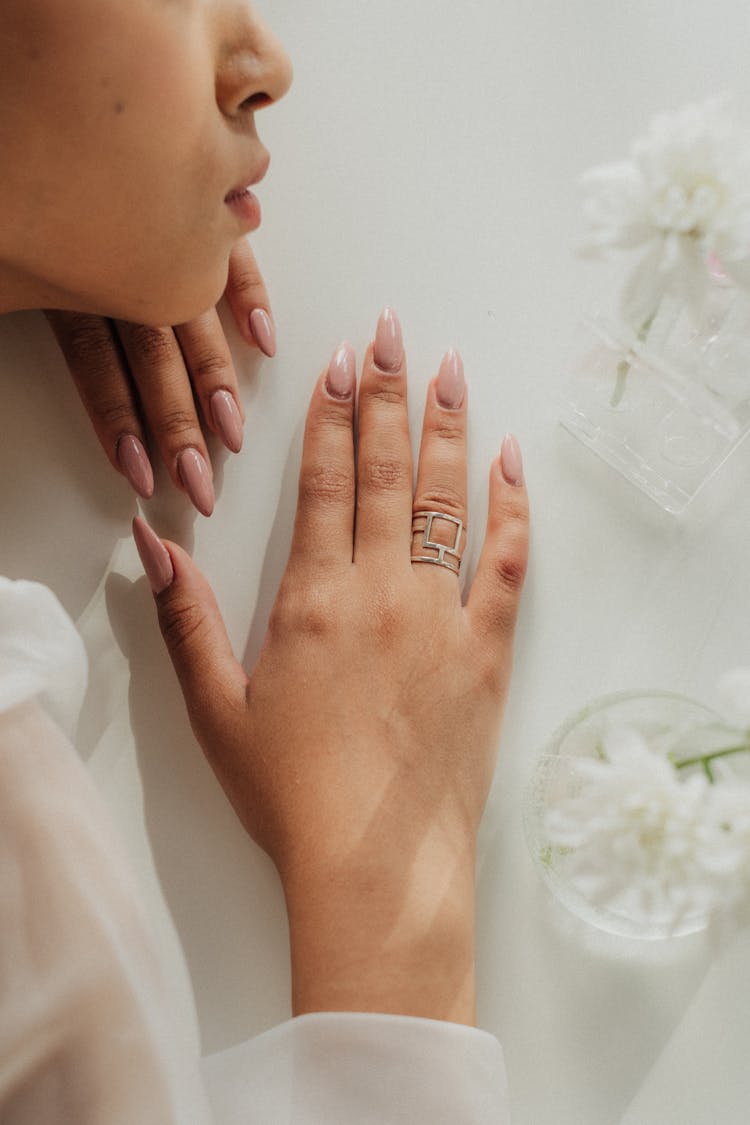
[357,759]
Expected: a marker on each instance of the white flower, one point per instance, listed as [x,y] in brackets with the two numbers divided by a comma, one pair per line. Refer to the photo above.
[684,196]
[734,689]
[645,842]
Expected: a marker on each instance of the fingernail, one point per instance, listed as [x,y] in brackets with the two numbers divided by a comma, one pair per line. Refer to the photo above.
[511,461]
[340,377]
[389,344]
[227,419]
[133,460]
[196,477]
[263,330]
[154,556]
[451,384]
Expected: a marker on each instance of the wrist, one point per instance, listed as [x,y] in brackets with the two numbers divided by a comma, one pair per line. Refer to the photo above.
[382,934]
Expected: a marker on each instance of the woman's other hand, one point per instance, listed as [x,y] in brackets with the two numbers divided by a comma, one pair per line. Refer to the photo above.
[360,751]
[136,380]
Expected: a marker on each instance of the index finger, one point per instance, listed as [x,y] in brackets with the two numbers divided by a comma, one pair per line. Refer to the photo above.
[248,299]
[384,461]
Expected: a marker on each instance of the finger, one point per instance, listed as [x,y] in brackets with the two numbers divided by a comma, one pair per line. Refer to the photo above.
[211,679]
[324,525]
[93,355]
[384,464]
[158,370]
[247,298]
[209,363]
[496,589]
[441,475]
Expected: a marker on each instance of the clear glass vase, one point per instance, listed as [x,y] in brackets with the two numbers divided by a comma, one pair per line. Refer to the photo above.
[664,398]
[672,723]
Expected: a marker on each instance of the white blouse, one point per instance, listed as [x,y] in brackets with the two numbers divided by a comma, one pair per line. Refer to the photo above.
[86,1033]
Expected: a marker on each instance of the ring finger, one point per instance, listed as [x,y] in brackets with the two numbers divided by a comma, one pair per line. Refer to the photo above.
[441,476]
[166,396]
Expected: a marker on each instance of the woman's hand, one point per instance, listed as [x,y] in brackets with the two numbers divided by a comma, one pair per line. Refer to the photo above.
[133,379]
[360,751]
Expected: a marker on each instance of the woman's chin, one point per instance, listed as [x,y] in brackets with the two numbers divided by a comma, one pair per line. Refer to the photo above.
[180,303]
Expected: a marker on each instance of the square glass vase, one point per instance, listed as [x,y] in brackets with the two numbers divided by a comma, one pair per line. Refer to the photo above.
[667,402]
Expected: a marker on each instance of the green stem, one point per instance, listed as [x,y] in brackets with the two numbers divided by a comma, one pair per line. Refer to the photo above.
[624,366]
[705,760]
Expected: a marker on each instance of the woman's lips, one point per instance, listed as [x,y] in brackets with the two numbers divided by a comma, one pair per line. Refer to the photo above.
[241,200]
[245,205]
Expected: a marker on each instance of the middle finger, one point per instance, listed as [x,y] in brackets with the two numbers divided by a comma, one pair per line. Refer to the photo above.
[166,395]
[384,464]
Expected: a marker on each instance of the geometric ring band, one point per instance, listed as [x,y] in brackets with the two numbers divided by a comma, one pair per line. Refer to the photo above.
[447,556]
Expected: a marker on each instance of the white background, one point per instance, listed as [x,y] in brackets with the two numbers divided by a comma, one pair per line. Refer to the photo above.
[427,157]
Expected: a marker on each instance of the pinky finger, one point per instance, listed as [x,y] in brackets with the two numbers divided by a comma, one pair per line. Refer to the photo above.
[248,299]
[95,361]
[496,590]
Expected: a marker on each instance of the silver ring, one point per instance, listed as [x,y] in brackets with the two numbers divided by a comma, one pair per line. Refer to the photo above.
[447,556]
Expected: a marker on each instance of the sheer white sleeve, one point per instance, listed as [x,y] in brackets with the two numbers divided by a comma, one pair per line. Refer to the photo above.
[361,1069]
[41,654]
[86,1034]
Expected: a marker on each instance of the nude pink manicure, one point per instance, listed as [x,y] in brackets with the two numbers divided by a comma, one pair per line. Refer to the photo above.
[227,419]
[133,460]
[451,385]
[263,330]
[511,461]
[154,556]
[196,477]
[340,377]
[388,352]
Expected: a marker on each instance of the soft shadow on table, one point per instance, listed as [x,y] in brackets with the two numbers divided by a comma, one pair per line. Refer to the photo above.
[277,551]
[222,891]
[613,1002]
[62,506]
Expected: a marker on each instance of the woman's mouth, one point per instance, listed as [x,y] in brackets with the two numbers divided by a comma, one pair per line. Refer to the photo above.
[245,205]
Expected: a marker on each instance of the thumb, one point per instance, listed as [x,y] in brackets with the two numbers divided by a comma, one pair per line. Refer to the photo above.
[192,627]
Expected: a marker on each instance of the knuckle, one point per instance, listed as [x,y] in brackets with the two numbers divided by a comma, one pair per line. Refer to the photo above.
[510,570]
[449,430]
[116,415]
[383,474]
[302,611]
[325,484]
[513,512]
[209,367]
[246,282]
[181,622]
[387,394]
[492,673]
[177,423]
[331,417]
[85,339]
[154,345]
[443,499]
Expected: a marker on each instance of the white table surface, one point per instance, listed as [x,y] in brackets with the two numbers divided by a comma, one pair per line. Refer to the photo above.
[426,157]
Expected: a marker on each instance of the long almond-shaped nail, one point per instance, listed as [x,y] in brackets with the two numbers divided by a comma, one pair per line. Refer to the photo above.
[451,385]
[340,377]
[133,460]
[263,330]
[227,419]
[154,556]
[511,461]
[196,477]
[389,344]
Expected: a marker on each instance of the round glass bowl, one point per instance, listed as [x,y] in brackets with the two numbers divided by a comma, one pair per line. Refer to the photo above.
[671,723]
